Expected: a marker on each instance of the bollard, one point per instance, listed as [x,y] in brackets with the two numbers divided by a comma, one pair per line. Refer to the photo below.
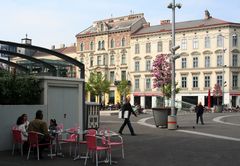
[172,122]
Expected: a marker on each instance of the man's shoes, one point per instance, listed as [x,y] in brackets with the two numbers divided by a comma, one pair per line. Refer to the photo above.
[133,134]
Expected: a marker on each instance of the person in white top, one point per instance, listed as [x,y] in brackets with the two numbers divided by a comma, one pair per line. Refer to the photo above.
[22,128]
[25,121]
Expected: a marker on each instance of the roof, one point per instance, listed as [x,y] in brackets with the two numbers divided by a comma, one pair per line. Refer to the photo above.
[113,24]
[186,25]
[65,50]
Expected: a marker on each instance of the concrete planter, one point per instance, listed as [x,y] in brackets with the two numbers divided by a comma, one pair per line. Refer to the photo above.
[161,116]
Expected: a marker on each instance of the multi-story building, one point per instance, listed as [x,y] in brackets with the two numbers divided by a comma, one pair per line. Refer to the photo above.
[105,47]
[209,55]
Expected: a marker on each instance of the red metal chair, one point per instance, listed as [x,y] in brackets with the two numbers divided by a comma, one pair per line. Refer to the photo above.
[94,148]
[17,139]
[33,139]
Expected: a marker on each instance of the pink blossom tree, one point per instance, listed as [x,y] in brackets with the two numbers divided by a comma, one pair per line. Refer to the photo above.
[217,92]
[162,74]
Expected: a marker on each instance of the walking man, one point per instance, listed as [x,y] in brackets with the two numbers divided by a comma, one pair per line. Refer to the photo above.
[127,107]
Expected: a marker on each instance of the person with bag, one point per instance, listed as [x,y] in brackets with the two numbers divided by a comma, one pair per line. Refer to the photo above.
[126,113]
[199,113]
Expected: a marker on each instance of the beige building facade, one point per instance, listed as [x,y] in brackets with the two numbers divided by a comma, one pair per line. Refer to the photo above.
[209,55]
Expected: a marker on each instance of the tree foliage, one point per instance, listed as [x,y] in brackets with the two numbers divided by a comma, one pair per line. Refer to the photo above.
[162,73]
[97,84]
[19,89]
[123,88]
[217,92]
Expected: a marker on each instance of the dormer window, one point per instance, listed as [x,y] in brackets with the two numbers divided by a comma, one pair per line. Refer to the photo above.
[123,42]
[102,27]
[81,47]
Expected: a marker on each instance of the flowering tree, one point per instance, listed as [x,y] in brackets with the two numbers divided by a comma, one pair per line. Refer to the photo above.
[217,92]
[162,74]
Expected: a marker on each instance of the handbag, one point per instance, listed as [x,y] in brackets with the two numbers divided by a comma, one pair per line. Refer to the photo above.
[120,114]
[126,114]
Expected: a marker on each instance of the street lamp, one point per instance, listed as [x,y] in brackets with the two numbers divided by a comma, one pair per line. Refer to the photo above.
[173,57]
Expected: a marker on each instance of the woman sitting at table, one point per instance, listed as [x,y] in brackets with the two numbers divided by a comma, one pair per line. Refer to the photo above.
[53,127]
[21,127]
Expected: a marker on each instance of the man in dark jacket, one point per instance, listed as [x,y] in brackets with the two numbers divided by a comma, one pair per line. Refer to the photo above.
[127,107]
[199,112]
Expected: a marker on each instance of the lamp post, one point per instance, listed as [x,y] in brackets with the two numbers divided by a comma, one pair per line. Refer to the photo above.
[173,57]
[223,66]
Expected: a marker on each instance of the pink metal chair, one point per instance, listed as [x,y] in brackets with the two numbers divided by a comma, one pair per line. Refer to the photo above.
[92,147]
[17,139]
[117,142]
[33,143]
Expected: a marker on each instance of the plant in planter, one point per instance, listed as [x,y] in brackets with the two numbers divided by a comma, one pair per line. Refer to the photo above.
[217,92]
[162,79]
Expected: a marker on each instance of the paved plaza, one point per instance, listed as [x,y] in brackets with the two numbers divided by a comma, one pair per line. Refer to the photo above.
[217,143]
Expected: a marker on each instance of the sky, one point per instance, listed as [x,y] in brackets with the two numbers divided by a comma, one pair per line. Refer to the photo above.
[55,22]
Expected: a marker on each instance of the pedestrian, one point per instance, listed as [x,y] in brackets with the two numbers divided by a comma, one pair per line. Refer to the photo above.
[199,112]
[127,108]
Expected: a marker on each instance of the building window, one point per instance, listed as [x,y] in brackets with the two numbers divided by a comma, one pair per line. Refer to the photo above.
[81,47]
[219,80]
[111,76]
[219,60]
[137,51]
[102,27]
[184,63]
[123,42]
[184,44]
[112,62]
[91,62]
[235,60]
[195,43]
[112,43]
[136,84]
[207,81]
[103,45]
[234,40]
[220,41]
[148,47]
[195,62]
[123,59]
[184,82]
[207,43]
[159,46]
[99,45]
[148,65]
[104,59]
[91,45]
[99,60]
[123,75]
[137,66]
[235,81]
[148,83]
[207,61]
[195,81]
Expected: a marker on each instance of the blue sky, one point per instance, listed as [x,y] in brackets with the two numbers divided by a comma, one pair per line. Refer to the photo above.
[53,22]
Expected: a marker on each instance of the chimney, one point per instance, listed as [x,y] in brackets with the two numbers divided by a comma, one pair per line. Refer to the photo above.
[207,15]
[145,25]
[62,45]
[53,47]
[164,22]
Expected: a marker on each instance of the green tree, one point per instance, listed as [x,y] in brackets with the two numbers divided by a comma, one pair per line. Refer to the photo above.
[97,85]
[123,88]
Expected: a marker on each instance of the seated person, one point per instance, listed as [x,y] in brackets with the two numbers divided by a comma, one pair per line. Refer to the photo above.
[25,120]
[53,127]
[21,127]
[38,125]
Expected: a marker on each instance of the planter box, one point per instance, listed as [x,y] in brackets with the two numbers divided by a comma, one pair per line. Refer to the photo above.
[161,116]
